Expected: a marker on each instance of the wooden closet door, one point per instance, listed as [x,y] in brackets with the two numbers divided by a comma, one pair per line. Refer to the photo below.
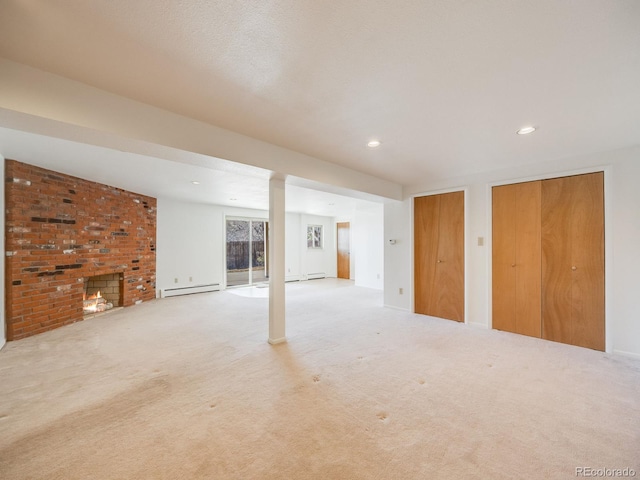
[528,265]
[573,260]
[516,258]
[439,255]
[587,253]
[450,263]
[504,258]
[426,231]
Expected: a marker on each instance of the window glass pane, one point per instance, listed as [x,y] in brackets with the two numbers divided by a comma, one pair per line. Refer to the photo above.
[237,252]
[258,257]
[314,236]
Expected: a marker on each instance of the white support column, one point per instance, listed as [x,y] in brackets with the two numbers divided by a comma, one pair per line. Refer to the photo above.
[276,262]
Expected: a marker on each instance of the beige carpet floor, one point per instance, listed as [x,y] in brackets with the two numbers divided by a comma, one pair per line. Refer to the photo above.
[188,388]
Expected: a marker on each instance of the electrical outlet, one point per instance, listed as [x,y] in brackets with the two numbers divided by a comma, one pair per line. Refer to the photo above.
[191,279]
[378,276]
[175,280]
[400,291]
[480,241]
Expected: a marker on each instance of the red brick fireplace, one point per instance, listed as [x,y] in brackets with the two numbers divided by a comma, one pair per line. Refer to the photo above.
[60,232]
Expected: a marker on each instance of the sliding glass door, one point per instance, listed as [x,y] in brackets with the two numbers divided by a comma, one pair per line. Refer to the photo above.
[258,252]
[246,252]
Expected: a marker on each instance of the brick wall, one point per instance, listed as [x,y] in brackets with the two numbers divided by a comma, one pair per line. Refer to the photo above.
[61,230]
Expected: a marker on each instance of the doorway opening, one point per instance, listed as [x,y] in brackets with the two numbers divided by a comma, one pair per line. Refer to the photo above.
[247,251]
[344,250]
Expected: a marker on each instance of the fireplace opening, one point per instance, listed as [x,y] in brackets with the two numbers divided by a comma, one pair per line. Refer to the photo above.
[102,293]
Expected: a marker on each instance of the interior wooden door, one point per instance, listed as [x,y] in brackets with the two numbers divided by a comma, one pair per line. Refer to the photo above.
[439,255]
[528,264]
[516,258]
[504,258]
[344,250]
[573,260]
[587,289]
[450,263]
[426,231]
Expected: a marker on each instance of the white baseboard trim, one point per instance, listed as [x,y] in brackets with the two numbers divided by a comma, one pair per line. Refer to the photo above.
[276,341]
[626,354]
[396,308]
[479,325]
[2,344]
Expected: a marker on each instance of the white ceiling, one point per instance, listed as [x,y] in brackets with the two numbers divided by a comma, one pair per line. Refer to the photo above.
[162,178]
[444,84]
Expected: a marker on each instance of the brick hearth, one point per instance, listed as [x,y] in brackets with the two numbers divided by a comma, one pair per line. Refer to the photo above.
[60,230]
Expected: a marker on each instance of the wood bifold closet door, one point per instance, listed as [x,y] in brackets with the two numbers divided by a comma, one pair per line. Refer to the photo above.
[516,258]
[439,255]
[573,260]
[548,259]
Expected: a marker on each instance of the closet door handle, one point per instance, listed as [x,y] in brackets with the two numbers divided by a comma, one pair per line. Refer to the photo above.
[574,268]
[513,264]
[439,261]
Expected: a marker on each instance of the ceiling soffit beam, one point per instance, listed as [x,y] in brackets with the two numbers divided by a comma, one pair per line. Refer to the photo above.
[72,110]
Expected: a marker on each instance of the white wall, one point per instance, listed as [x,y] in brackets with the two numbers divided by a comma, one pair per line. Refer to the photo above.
[366,244]
[320,260]
[622,230]
[367,247]
[623,292]
[191,243]
[398,259]
[292,247]
[3,325]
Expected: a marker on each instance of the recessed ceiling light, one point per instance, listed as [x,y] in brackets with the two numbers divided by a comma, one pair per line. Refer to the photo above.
[526,130]
[195,182]
[374,143]
[331,204]
[233,199]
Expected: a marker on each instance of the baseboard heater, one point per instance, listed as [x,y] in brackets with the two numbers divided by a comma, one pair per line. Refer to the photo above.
[173,292]
[315,276]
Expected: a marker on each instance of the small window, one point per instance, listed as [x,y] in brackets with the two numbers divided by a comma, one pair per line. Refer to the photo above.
[314,236]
